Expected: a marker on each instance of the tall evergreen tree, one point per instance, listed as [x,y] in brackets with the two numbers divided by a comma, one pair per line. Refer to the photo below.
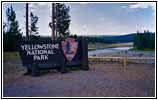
[33,28]
[62,20]
[12,34]
[152,41]
[4,27]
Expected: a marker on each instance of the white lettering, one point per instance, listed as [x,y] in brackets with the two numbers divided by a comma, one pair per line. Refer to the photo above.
[41,57]
[40,52]
[57,46]
[28,52]
[33,52]
[44,46]
[46,57]
[36,57]
[22,47]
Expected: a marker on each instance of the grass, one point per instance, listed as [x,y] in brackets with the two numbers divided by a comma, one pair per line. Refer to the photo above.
[103,46]
[27,73]
[12,62]
[11,56]
[146,49]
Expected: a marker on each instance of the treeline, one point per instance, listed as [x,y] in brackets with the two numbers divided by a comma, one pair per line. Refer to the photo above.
[49,38]
[99,40]
[144,40]
[111,39]
[121,38]
[90,39]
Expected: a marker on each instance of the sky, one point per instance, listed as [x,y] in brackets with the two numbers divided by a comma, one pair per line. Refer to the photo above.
[92,18]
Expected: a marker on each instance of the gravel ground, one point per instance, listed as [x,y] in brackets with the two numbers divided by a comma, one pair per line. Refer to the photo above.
[101,80]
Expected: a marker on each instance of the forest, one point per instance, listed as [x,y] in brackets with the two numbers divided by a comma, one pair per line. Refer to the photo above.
[144,40]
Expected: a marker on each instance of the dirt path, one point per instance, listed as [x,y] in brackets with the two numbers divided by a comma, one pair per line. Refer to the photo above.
[102,80]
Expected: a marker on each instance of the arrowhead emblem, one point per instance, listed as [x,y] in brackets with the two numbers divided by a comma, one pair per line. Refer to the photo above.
[69,47]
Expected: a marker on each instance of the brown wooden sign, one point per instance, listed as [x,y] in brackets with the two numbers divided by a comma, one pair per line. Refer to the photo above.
[54,54]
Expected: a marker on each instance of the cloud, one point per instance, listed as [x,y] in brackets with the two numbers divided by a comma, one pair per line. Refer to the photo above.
[109,23]
[130,10]
[33,10]
[136,27]
[123,6]
[72,9]
[133,7]
[111,28]
[49,5]
[120,26]
[144,28]
[33,7]
[18,12]
[45,4]
[84,26]
[42,11]
[102,18]
[83,3]
[144,6]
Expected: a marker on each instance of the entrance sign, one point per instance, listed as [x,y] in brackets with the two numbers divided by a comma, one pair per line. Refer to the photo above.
[69,47]
[54,54]
[38,51]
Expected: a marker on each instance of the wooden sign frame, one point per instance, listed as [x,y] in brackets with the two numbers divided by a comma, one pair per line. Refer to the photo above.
[39,55]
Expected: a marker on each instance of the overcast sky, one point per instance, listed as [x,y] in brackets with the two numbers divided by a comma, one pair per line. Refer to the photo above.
[93,18]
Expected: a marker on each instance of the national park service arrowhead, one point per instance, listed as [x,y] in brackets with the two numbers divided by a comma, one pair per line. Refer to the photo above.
[69,47]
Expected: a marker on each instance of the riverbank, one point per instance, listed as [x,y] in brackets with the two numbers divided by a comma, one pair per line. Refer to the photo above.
[103,46]
[128,53]
[146,49]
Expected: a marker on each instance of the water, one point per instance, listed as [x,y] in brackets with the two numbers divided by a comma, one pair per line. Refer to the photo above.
[109,50]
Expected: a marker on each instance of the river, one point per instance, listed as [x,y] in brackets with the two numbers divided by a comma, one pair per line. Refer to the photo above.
[109,50]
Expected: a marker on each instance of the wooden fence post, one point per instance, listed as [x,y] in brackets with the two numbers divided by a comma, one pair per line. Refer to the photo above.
[124,61]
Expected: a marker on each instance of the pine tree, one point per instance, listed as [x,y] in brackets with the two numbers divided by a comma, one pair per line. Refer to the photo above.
[62,20]
[4,27]
[33,28]
[12,34]
[152,41]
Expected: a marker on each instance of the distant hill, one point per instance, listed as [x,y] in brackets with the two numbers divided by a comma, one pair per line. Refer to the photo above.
[121,38]
[112,38]
[104,38]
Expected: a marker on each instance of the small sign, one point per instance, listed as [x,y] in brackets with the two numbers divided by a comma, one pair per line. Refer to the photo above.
[69,47]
